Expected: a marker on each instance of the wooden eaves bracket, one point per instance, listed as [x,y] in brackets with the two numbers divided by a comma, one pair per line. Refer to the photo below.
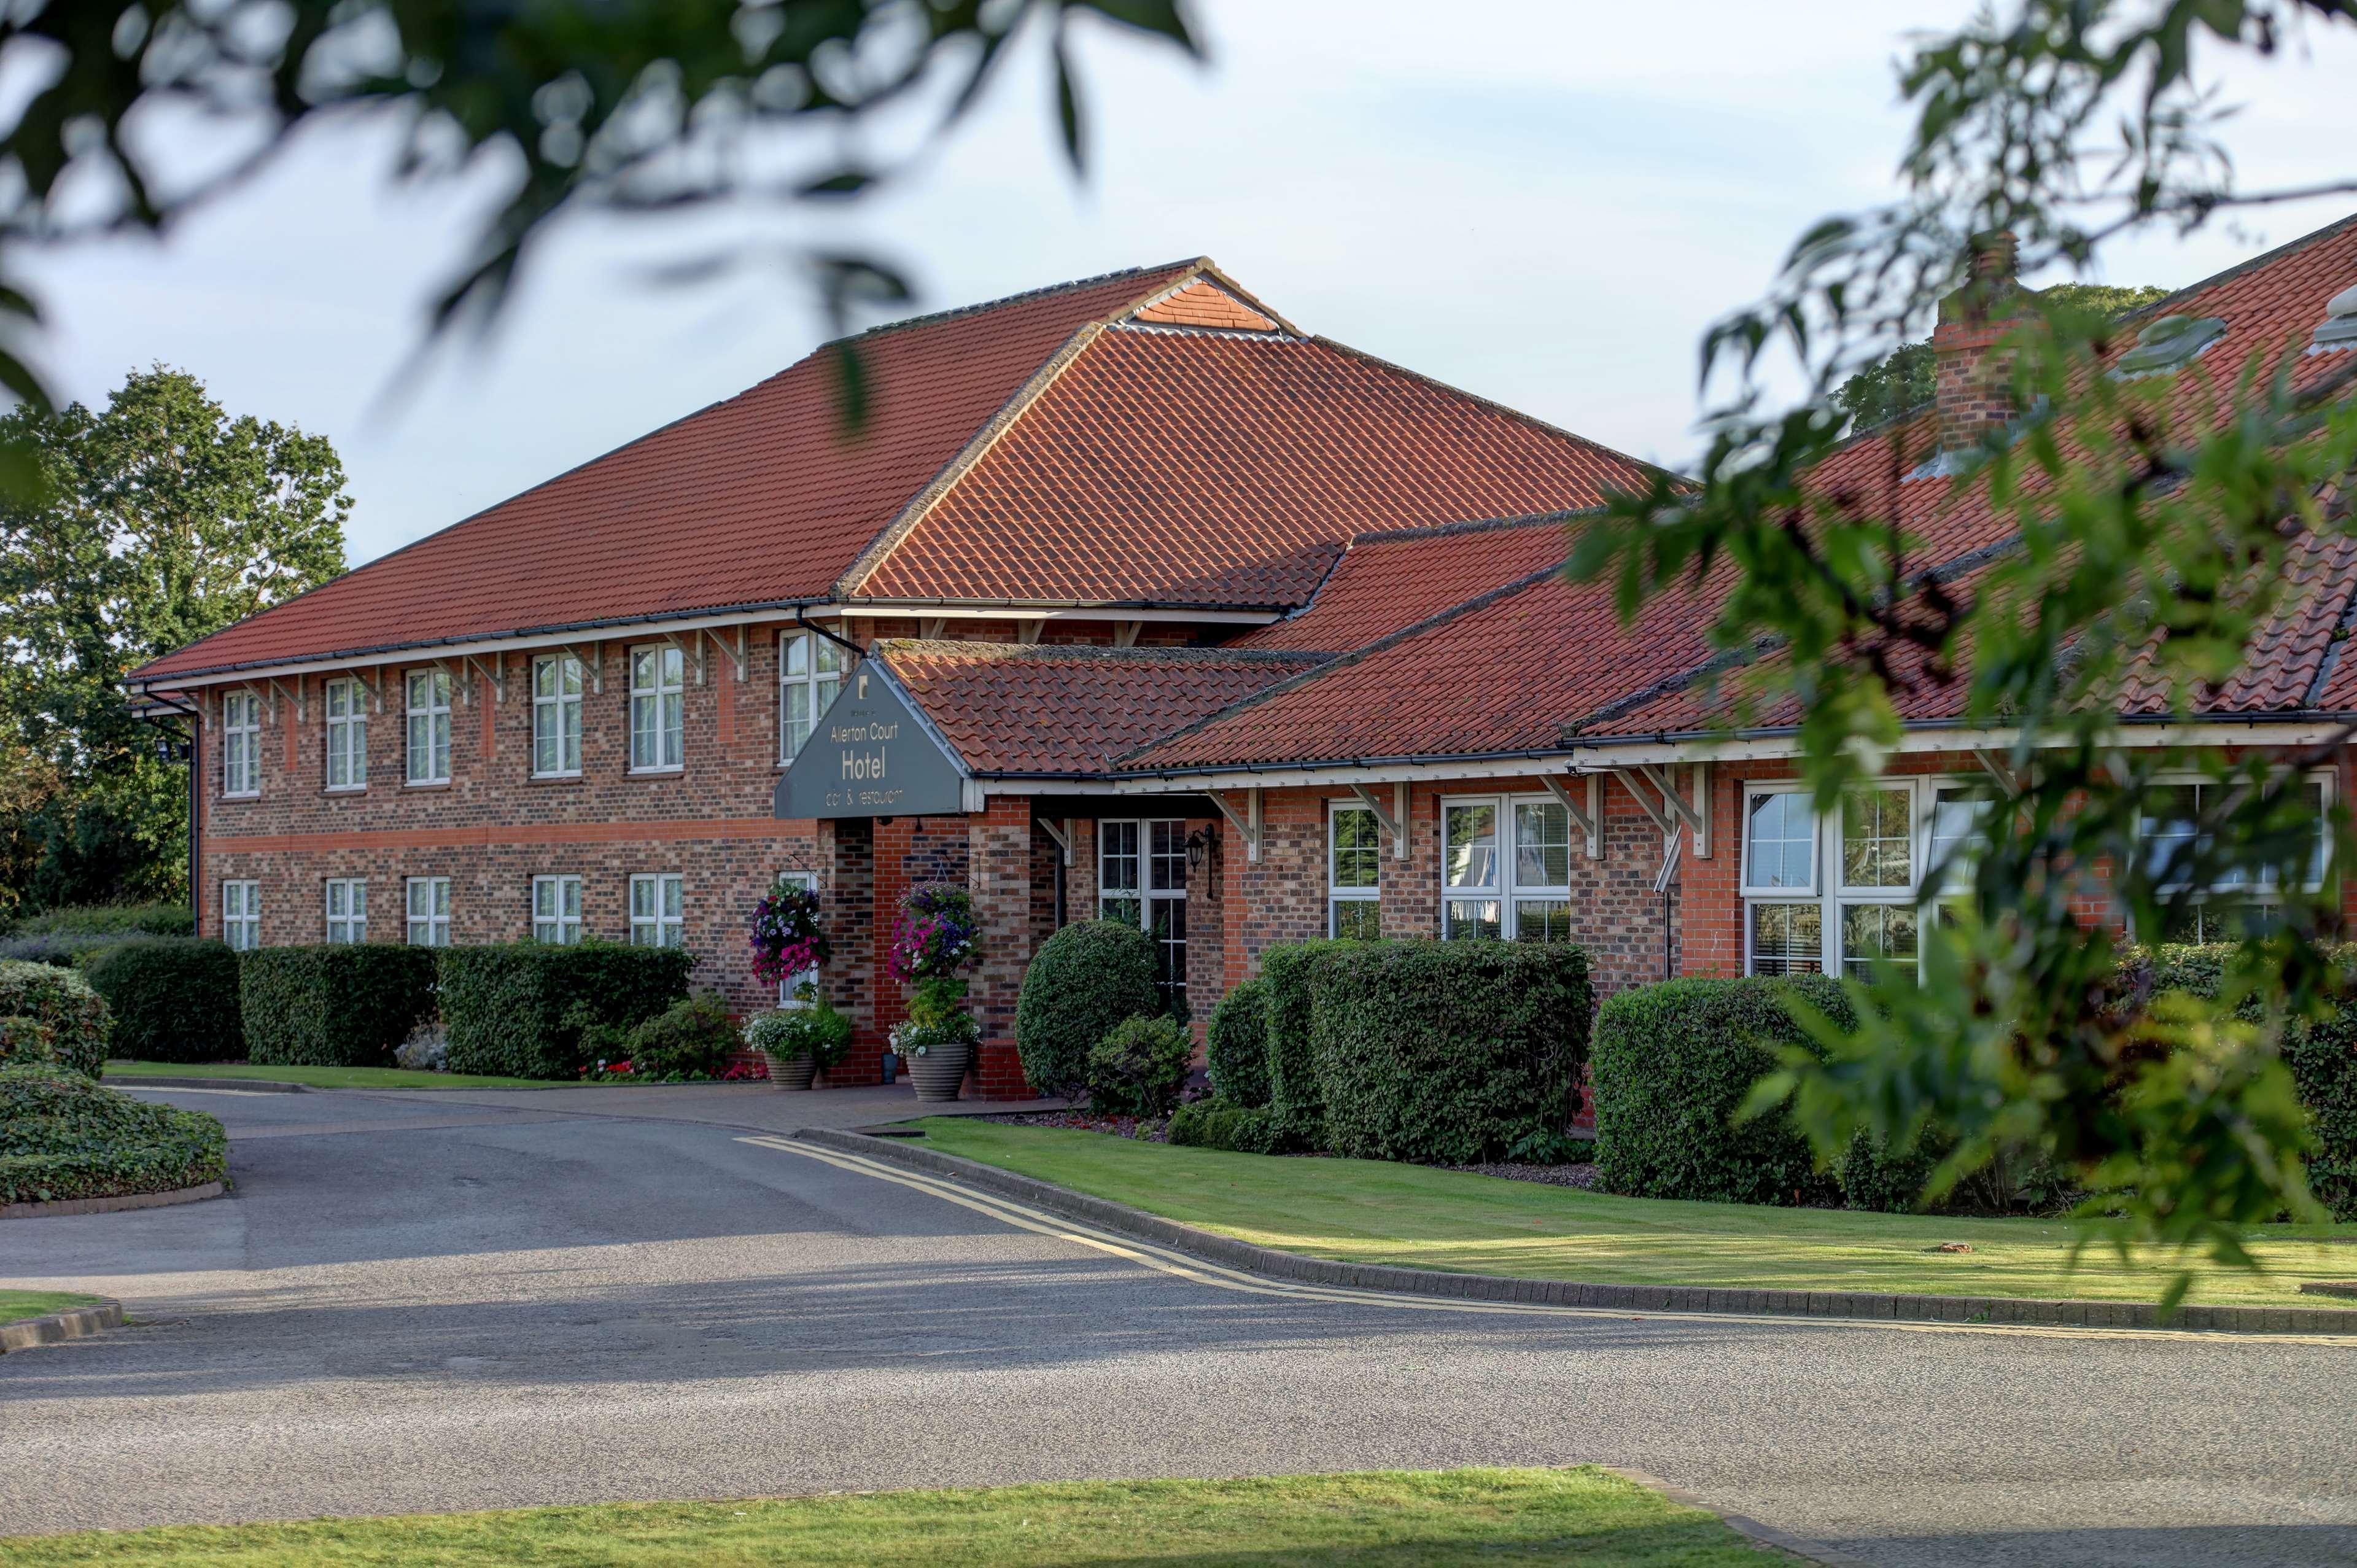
[1671,812]
[1392,820]
[1247,824]
[1588,816]
[1059,833]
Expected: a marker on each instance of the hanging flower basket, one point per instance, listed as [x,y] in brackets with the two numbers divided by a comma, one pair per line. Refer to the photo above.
[786,939]
[937,934]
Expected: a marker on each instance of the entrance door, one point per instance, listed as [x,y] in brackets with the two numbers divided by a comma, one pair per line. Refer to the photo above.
[1142,880]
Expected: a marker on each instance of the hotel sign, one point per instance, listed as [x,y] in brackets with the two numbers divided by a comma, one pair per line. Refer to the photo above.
[870,757]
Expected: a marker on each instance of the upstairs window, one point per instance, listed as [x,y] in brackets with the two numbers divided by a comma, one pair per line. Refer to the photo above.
[347,909]
[556,909]
[658,708]
[429,727]
[659,911]
[242,915]
[556,716]
[1353,859]
[346,703]
[430,911]
[240,744]
[809,674]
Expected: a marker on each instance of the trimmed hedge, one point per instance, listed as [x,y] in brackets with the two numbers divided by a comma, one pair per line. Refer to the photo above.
[348,1004]
[175,999]
[60,950]
[1237,1045]
[1673,1062]
[64,1135]
[109,919]
[1290,969]
[518,1009]
[1083,982]
[1217,1123]
[77,1018]
[1448,1053]
[1138,1068]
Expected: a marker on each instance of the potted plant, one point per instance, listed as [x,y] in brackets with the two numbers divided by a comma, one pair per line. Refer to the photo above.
[798,1041]
[934,939]
[786,939]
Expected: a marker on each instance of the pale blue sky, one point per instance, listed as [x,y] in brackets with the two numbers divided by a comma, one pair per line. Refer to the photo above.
[1545,206]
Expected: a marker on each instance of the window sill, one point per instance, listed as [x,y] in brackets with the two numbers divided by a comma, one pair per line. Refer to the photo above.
[672,772]
[554,778]
[426,784]
[229,799]
[344,789]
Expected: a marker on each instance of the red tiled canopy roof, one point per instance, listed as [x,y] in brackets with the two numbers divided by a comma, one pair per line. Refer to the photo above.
[1151,437]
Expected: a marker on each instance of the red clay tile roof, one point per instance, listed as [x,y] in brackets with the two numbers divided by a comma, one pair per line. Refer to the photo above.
[756,500]
[1204,305]
[1201,468]
[1387,581]
[1031,709]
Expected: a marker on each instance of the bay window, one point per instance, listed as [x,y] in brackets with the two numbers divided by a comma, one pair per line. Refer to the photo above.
[1505,869]
[1836,893]
[1353,857]
[658,708]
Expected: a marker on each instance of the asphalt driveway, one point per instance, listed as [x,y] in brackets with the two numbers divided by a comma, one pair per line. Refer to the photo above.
[445,1301]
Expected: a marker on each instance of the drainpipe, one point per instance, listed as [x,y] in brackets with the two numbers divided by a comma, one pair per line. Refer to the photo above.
[803,620]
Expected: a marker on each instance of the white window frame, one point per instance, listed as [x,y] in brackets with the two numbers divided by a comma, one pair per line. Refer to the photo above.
[241,745]
[1171,950]
[354,919]
[242,913]
[2263,890]
[426,901]
[1505,887]
[818,682]
[1827,888]
[548,908]
[663,922]
[343,703]
[808,882]
[427,725]
[1337,894]
[557,713]
[659,709]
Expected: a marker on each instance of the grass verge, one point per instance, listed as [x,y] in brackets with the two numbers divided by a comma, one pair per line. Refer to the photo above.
[326,1077]
[1369,1211]
[17,1304]
[1385,1520]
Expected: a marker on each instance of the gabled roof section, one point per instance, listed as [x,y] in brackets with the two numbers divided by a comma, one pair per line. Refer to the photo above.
[1031,709]
[1385,581]
[1200,303]
[762,498]
[1225,469]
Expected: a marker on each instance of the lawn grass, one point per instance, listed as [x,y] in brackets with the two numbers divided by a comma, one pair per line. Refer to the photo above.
[1382,1520]
[1369,1211]
[327,1077]
[21,1304]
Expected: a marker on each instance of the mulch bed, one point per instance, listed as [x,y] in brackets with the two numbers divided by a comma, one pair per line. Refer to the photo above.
[1582,1175]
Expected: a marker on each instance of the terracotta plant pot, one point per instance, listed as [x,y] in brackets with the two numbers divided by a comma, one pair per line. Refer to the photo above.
[939,1070]
[790,1072]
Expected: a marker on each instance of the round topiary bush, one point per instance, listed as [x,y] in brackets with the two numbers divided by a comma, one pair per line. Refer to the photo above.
[174,998]
[1237,1045]
[1139,1067]
[64,1135]
[1083,982]
[79,1025]
[687,1039]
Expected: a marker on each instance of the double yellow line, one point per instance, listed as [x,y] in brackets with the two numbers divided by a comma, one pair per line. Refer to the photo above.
[1164,1259]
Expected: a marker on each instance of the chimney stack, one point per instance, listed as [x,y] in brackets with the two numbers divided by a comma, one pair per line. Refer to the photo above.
[1973,397]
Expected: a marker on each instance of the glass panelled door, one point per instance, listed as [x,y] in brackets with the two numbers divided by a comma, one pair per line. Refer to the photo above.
[1142,880]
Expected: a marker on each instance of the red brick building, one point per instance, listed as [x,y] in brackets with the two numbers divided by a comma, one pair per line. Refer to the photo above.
[1135,597]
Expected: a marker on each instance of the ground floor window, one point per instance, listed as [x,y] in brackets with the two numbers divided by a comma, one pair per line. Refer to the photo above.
[2232,903]
[659,911]
[242,915]
[430,911]
[347,909]
[1840,892]
[808,882]
[1505,869]
[556,909]
[1353,858]
[1142,880]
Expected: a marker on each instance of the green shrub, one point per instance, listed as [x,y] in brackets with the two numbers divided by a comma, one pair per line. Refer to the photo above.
[175,999]
[349,1004]
[63,1135]
[1290,970]
[60,950]
[1083,982]
[76,1015]
[28,1042]
[1217,1123]
[1447,1053]
[1237,1045]
[689,1038]
[1672,1063]
[520,1009]
[109,919]
[1140,1066]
